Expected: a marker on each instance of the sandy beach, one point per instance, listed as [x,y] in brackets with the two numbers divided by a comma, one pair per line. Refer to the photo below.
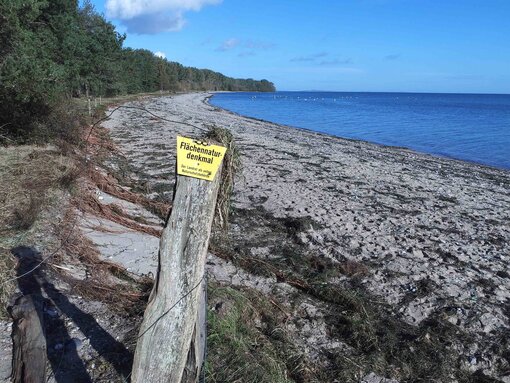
[423,240]
[360,229]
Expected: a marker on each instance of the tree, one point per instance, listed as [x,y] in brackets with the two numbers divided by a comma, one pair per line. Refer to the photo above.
[53,50]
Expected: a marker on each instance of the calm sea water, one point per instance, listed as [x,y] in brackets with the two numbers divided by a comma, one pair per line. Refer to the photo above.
[472,127]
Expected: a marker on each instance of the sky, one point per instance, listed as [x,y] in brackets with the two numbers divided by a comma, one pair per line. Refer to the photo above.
[454,46]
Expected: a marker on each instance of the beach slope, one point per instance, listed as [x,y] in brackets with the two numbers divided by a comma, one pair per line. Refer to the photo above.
[376,261]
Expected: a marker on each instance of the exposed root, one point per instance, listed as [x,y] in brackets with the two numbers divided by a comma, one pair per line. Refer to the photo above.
[104,281]
[81,249]
[88,203]
[98,139]
[110,185]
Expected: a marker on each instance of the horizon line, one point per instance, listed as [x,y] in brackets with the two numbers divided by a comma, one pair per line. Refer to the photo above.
[379,91]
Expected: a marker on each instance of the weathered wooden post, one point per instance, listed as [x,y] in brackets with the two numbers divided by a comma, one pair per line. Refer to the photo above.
[171,341]
[29,342]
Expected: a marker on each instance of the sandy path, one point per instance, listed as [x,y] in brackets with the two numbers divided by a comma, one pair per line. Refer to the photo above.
[434,232]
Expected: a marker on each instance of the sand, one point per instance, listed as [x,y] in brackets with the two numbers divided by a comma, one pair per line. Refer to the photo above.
[433,232]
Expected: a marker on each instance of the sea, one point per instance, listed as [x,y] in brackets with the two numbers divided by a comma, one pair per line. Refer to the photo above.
[470,127]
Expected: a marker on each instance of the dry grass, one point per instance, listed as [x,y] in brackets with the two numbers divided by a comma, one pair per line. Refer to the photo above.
[99,141]
[378,339]
[249,341]
[98,106]
[30,179]
[354,269]
[110,185]
[7,285]
[26,214]
[231,168]
[33,181]
[105,281]
[28,175]
[101,146]
[382,342]
[88,203]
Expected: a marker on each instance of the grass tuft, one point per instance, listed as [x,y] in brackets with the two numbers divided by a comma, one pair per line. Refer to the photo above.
[7,285]
[28,175]
[231,167]
[25,214]
[237,350]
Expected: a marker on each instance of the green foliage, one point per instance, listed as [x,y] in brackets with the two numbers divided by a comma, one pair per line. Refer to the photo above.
[53,50]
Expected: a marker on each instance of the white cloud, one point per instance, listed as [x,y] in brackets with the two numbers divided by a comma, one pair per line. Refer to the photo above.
[154,16]
[128,9]
[311,57]
[247,44]
[160,54]
[250,44]
[229,44]
[154,24]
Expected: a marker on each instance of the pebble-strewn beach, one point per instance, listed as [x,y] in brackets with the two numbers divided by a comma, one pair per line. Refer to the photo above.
[433,233]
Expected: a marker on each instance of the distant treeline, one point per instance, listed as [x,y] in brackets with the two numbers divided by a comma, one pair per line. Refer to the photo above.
[53,50]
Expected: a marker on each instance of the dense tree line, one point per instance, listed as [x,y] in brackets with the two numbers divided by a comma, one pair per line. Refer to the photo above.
[52,50]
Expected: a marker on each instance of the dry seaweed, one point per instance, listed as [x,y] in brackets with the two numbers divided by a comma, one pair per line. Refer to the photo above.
[231,168]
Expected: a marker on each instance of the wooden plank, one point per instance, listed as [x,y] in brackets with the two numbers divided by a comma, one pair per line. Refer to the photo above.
[171,342]
[29,342]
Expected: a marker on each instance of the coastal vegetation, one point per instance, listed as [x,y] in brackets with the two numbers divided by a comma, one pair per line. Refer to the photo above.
[53,51]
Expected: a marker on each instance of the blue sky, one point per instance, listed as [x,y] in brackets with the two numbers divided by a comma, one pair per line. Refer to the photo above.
[338,45]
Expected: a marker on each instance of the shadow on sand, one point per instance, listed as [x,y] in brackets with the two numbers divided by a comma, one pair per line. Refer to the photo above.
[62,348]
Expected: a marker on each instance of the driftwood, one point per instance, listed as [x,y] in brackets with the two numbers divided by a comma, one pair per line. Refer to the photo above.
[29,342]
[171,342]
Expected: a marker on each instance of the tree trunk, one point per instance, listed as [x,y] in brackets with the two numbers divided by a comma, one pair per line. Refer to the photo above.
[171,342]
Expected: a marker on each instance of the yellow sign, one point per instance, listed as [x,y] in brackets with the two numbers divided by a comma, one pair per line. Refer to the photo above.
[198,159]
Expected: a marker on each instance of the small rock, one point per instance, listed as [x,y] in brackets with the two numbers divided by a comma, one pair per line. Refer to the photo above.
[418,254]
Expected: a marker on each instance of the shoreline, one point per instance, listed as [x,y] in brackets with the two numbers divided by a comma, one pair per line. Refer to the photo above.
[427,234]
[434,155]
